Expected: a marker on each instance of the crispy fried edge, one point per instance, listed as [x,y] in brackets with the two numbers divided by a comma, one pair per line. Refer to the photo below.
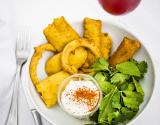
[35,59]
[123,53]
[72,46]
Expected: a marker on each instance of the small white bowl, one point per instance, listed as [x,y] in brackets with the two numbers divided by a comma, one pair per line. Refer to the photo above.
[77,77]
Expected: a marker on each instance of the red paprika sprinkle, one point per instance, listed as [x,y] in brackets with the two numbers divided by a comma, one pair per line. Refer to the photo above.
[87,96]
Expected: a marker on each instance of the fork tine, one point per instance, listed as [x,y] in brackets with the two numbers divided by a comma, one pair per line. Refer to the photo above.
[19,42]
[27,39]
[23,40]
[28,43]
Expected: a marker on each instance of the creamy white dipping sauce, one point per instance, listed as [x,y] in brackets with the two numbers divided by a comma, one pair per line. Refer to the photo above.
[80,98]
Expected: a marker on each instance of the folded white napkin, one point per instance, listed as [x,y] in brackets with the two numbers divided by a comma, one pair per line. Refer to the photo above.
[7,59]
[8,66]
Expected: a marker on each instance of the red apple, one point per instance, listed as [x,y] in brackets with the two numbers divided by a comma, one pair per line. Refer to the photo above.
[119,7]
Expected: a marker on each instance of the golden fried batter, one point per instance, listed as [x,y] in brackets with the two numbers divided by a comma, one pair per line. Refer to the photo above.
[35,59]
[106,45]
[59,33]
[92,31]
[76,58]
[105,48]
[87,71]
[53,64]
[125,51]
[48,87]
[71,47]
[90,60]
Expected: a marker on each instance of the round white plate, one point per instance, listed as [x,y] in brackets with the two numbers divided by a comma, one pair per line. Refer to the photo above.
[55,115]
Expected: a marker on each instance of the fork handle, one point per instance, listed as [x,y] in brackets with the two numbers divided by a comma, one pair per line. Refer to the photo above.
[12,118]
[37,117]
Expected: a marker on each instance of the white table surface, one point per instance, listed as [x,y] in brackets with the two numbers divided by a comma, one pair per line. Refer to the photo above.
[144,21]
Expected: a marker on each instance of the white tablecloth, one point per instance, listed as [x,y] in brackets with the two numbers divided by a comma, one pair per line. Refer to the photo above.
[37,13]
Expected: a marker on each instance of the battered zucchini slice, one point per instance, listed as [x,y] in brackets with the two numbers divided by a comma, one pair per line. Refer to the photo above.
[125,51]
[59,33]
[48,88]
[106,45]
[76,58]
[53,64]
[92,31]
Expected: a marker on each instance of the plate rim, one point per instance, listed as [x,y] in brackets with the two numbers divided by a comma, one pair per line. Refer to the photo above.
[115,24]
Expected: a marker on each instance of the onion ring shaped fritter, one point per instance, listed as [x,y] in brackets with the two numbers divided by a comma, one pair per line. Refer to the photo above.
[35,59]
[71,47]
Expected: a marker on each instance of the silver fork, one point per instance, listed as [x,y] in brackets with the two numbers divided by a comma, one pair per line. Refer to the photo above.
[22,53]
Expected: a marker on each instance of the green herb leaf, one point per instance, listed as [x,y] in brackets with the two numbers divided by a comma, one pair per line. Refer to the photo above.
[112,71]
[100,65]
[124,86]
[138,96]
[119,78]
[105,106]
[138,87]
[113,116]
[103,83]
[101,76]
[130,87]
[127,113]
[131,103]
[116,101]
[132,99]
[122,92]
[142,66]
[129,68]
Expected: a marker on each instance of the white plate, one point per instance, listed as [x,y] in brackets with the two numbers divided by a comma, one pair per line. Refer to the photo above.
[55,115]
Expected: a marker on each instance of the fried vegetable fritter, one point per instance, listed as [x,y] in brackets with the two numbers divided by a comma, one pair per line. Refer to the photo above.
[35,59]
[105,48]
[92,30]
[76,58]
[48,88]
[125,51]
[59,33]
[71,47]
[106,45]
[90,59]
[53,64]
